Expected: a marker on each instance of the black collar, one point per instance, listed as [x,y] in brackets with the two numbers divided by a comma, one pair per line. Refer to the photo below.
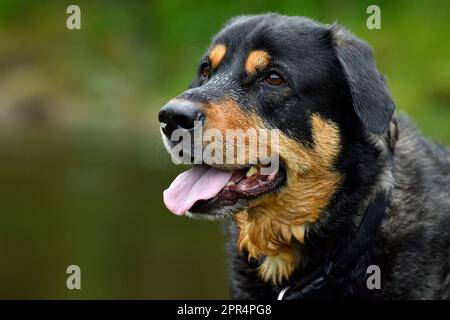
[322,282]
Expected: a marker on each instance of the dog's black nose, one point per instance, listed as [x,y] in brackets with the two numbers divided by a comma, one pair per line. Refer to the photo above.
[179,114]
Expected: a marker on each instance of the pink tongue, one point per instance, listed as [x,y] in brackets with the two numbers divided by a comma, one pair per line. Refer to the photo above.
[200,183]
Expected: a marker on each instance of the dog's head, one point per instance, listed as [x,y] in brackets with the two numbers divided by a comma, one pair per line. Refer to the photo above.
[311,84]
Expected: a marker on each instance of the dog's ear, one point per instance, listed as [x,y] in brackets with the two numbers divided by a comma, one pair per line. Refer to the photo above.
[371,98]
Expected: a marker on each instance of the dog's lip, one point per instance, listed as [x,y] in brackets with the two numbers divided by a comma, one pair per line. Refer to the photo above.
[231,194]
[230,167]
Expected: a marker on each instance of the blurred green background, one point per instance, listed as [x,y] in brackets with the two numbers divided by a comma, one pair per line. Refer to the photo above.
[82,168]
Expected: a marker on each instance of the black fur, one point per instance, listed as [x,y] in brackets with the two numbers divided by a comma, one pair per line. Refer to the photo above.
[372,101]
[330,72]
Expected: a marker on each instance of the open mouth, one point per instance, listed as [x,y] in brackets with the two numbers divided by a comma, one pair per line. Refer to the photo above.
[203,189]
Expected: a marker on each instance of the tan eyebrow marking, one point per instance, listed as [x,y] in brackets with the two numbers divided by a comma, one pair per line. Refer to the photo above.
[217,54]
[256,60]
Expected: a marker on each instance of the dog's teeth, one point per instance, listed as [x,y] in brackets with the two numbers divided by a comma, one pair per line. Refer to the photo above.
[252,171]
[230,183]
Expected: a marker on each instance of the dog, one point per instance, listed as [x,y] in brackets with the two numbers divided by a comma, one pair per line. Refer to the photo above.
[359,193]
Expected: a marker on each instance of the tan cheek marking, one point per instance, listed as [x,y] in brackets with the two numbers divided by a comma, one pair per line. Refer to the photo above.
[228,116]
[217,54]
[270,223]
[256,60]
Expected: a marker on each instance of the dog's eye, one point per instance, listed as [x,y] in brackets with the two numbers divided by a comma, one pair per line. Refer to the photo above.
[205,70]
[274,79]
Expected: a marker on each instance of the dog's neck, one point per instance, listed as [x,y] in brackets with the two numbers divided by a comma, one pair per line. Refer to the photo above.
[276,229]
[288,237]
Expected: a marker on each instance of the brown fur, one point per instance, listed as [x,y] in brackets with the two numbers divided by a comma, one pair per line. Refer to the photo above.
[217,54]
[270,223]
[229,116]
[256,60]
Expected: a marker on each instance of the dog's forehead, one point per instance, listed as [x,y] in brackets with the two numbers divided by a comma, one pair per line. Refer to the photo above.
[275,34]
